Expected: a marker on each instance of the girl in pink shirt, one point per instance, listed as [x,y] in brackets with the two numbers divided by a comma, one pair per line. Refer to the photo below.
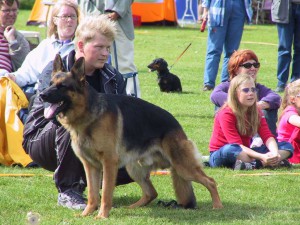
[234,126]
[289,123]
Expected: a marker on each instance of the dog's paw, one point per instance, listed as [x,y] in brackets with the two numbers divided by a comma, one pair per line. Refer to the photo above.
[102,215]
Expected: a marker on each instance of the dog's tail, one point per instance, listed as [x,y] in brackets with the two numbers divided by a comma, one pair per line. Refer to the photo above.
[184,159]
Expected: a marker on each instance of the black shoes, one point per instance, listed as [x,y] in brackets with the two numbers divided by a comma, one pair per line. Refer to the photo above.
[207,88]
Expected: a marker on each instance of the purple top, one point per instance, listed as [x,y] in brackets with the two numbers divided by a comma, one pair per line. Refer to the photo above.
[219,95]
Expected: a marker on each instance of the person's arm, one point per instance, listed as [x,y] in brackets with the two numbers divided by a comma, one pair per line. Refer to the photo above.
[119,9]
[219,94]
[205,6]
[273,157]
[273,147]
[268,159]
[294,120]
[267,99]
[18,50]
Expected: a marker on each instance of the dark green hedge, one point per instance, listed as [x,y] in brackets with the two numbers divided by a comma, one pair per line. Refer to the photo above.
[26,4]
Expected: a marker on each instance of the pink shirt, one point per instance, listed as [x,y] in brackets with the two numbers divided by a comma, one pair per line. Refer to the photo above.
[284,128]
[225,131]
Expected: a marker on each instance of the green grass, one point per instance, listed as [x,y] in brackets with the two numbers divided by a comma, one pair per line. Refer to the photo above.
[255,199]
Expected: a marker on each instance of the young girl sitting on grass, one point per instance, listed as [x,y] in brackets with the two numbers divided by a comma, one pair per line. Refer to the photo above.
[237,121]
[289,122]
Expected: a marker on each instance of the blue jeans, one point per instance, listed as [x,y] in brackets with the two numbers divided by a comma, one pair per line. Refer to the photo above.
[287,33]
[227,37]
[226,156]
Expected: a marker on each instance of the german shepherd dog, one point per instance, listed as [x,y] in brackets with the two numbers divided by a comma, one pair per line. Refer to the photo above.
[167,82]
[111,131]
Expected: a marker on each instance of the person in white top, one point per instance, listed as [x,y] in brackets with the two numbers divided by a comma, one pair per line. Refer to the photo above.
[62,27]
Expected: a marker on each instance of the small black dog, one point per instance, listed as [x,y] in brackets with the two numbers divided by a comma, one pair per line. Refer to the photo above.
[167,81]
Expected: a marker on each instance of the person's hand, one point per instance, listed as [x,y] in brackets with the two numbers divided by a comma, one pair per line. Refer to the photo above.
[9,33]
[271,159]
[205,14]
[113,16]
[11,76]
[262,105]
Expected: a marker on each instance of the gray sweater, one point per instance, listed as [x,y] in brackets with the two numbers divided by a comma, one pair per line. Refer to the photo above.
[280,11]
[19,50]
[122,7]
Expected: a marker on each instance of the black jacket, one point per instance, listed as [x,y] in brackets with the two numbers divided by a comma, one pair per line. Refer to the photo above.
[112,81]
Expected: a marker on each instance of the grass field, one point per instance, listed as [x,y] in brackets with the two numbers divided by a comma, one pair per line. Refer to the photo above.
[251,197]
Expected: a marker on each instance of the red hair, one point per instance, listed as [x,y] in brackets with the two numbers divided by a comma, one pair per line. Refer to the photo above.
[237,59]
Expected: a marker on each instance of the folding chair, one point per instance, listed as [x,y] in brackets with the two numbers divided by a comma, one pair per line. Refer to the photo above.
[263,6]
[33,38]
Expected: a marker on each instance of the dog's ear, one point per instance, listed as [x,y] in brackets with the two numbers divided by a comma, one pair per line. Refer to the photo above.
[58,65]
[164,62]
[78,70]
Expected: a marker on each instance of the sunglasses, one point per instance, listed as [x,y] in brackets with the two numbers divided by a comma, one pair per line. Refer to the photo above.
[249,65]
[247,90]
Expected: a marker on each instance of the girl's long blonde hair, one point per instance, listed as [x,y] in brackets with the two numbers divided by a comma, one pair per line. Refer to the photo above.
[292,89]
[247,123]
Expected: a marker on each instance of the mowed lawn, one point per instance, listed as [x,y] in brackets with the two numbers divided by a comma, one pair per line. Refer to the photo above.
[249,197]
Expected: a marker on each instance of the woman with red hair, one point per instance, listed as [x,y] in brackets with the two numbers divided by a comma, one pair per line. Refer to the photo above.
[246,62]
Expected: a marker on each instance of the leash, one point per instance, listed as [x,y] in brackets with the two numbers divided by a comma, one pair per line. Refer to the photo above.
[180,55]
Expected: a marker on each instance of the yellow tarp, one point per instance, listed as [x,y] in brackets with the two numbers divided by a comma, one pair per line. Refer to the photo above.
[11,133]
[40,11]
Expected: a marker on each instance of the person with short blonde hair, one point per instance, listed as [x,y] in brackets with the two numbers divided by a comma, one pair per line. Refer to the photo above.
[237,121]
[46,141]
[90,26]
[122,54]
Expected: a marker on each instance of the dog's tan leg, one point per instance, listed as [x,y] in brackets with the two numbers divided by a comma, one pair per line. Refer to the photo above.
[210,184]
[192,170]
[93,176]
[141,175]
[186,161]
[110,169]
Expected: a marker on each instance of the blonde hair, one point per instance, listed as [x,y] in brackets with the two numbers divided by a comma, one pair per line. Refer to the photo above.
[90,26]
[247,124]
[52,27]
[292,89]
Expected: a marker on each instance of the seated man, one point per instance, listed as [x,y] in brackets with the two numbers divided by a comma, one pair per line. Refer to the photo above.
[14,47]
[47,142]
